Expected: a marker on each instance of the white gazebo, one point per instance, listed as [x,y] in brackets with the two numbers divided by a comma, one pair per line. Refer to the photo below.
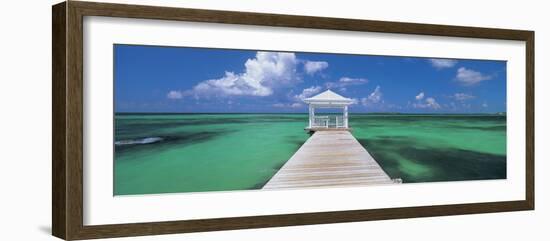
[328,99]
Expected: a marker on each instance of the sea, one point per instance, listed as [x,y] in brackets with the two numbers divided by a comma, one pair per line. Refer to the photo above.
[178,153]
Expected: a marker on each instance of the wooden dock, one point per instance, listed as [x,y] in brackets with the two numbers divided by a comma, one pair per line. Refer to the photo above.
[329,158]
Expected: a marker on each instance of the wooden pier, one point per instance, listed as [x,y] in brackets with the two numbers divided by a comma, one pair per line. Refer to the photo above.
[329,158]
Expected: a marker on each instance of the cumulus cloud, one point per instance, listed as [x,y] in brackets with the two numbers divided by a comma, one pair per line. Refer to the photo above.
[432,103]
[296,101]
[307,92]
[462,96]
[373,98]
[470,77]
[262,74]
[312,67]
[429,103]
[419,96]
[484,105]
[425,103]
[443,63]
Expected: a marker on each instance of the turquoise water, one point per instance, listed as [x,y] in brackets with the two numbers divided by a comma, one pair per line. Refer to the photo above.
[167,153]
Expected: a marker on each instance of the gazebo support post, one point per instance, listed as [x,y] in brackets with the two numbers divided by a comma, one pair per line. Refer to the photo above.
[345,116]
[311,116]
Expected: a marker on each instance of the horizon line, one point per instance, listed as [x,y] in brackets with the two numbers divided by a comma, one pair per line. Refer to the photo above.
[407,113]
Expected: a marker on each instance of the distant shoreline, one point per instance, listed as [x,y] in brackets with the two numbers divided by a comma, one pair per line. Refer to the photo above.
[294,113]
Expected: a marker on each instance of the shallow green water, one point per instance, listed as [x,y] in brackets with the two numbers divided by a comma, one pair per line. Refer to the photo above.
[217,152]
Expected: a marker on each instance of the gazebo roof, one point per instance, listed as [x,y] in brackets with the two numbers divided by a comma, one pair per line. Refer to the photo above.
[329,98]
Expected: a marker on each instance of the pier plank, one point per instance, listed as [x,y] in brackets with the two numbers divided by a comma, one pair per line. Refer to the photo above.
[329,158]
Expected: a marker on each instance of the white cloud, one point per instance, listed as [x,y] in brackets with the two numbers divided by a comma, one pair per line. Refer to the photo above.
[470,77]
[346,81]
[427,103]
[419,96]
[443,63]
[296,105]
[432,103]
[312,67]
[295,101]
[373,98]
[308,92]
[174,95]
[484,105]
[264,73]
[292,105]
[376,95]
[353,81]
[462,96]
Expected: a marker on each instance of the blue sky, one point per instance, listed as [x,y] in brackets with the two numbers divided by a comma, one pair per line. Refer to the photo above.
[179,79]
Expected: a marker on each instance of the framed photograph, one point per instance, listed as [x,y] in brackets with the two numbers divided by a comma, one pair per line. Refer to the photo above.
[171,120]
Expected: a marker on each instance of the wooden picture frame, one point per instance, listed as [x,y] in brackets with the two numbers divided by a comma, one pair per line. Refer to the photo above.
[67,150]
